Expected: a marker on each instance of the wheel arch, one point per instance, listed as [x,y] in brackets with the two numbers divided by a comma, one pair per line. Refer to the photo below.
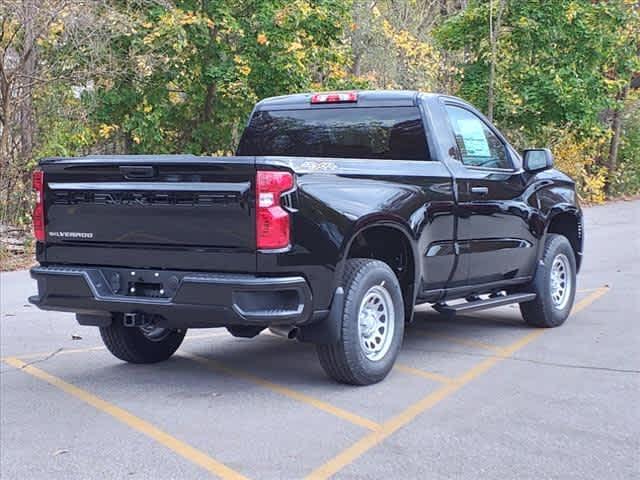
[568,223]
[365,240]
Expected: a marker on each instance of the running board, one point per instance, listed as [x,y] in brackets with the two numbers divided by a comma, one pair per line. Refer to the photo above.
[475,305]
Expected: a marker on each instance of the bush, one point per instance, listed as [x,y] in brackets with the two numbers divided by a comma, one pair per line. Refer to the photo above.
[578,158]
[626,180]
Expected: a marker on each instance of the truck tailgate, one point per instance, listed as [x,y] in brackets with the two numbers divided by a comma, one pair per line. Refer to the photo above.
[162,202]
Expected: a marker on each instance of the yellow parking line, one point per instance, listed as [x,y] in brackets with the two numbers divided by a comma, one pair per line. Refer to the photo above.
[183,449]
[460,341]
[287,392]
[389,427]
[589,299]
[65,351]
[406,416]
[586,290]
[29,356]
[436,377]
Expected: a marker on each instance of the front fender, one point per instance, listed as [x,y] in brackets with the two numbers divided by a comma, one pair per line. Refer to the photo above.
[559,197]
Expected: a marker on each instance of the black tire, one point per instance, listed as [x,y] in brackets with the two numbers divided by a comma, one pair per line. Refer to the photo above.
[346,360]
[132,345]
[543,312]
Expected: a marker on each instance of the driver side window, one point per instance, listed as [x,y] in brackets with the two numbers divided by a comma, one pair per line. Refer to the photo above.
[478,145]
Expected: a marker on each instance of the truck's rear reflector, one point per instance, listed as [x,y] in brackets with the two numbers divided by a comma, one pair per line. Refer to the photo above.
[334,97]
[272,221]
[38,211]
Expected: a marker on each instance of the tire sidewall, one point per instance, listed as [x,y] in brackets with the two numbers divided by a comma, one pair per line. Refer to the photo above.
[556,316]
[131,345]
[156,348]
[375,273]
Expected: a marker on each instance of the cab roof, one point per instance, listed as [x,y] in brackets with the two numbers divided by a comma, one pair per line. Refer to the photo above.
[366,98]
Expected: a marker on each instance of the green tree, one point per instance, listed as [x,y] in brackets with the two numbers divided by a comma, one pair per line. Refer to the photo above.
[560,62]
[193,71]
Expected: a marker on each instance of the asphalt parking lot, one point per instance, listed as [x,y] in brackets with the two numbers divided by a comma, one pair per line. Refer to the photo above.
[480,397]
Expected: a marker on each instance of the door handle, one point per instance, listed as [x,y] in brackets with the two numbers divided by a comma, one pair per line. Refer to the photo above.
[480,190]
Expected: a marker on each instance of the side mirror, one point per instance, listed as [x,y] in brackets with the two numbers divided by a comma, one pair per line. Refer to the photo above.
[537,159]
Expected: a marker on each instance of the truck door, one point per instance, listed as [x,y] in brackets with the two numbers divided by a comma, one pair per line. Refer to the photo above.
[494,242]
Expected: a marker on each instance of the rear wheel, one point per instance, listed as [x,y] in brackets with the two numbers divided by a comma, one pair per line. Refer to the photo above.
[148,344]
[372,325]
[554,284]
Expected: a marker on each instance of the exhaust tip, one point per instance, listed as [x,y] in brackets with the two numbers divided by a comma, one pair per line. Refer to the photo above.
[286,332]
[293,333]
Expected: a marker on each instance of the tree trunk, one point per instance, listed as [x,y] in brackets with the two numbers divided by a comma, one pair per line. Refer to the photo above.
[357,64]
[494,33]
[27,117]
[208,113]
[5,92]
[358,36]
[616,128]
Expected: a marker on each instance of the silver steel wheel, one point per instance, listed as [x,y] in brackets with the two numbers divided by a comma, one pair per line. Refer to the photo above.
[560,281]
[376,322]
[155,334]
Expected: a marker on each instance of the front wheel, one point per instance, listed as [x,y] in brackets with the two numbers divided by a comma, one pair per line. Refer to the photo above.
[554,285]
[372,325]
[149,344]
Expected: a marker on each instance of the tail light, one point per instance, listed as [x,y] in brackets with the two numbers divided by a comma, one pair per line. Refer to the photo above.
[272,221]
[334,97]
[38,211]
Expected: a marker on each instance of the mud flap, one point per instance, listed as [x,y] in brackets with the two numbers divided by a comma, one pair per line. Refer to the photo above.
[328,330]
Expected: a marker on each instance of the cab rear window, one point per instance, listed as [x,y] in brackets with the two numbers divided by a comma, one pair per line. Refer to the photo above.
[391,133]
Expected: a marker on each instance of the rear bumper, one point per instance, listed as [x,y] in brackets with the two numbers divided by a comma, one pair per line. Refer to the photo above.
[176,299]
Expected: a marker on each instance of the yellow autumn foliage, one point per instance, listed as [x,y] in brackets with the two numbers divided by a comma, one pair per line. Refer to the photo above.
[578,159]
[261,39]
[106,130]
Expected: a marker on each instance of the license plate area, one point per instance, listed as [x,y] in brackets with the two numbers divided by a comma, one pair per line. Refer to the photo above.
[144,289]
[142,283]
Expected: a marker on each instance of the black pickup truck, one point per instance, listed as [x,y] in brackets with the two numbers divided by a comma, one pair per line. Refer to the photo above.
[340,213]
